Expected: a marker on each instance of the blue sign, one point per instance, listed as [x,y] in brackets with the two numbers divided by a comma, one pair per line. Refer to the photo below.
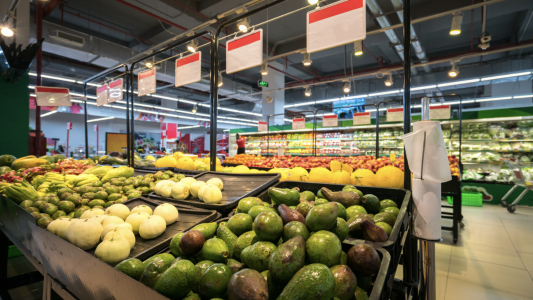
[346,108]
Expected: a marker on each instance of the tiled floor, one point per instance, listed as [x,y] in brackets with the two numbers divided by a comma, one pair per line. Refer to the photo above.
[493,258]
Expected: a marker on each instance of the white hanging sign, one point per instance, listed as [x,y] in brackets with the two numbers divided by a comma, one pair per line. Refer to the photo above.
[102,95]
[146,82]
[336,24]
[52,96]
[298,123]
[115,90]
[330,121]
[361,118]
[262,126]
[395,115]
[244,52]
[188,69]
[440,112]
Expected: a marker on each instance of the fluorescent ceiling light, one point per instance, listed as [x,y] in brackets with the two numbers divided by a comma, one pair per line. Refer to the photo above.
[384,93]
[201,119]
[523,96]
[328,100]
[226,129]
[506,76]
[458,82]
[305,103]
[145,105]
[32,87]
[287,120]
[205,105]
[100,119]
[91,103]
[76,101]
[48,113]
[492,99]
[291,105]
[119,107]
[423,87]
[188,127]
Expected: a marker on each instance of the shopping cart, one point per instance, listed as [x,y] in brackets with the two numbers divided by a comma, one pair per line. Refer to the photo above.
[519,180]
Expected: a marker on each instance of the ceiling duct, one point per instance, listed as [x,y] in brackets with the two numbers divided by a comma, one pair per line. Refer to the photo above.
[71,39]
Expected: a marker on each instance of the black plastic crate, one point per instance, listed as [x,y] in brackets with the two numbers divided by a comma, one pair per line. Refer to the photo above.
[236,187]
[188,173]
[154,169]
[188,218]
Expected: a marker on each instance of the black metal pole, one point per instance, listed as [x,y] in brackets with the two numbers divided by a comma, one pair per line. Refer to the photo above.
[377,128]
[268,135]
[85,118]
[132,120]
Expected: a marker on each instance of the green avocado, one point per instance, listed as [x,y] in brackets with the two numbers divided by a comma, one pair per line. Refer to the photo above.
[386,218]
[177,281]
[247,203]
[38,203]
[307,195]
[215,250]
[352,211]
[100,195]
[321,201]
[314,281]
[96,202]
[393,210]
[304,208]
[175,244]
[58,214]
[44,222]
[293,229]
[26,203]
[288,197]
[247,284]
[256,210]
[240,223]
[354,224]
[234,266]
[371,204]
[385,226]
[207,229]
[167,259]
[345,282]
[66,206]
[344,258]
[224,233]
[287,260]
[80,211]
[268,226]
[132,267]
[257,256]
[199,270]
[364,282]
[153,272]
[241,243]
[341,211]
[51,209]
[322,217]
[323,247]
[54,199]
[214,282]
[341,229]
[387,203]
[32,209]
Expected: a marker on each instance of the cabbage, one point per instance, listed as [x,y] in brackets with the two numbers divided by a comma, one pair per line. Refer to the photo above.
[505,146]
[525,159]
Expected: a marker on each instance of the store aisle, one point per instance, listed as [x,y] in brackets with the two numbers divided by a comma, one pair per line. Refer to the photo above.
[493,258]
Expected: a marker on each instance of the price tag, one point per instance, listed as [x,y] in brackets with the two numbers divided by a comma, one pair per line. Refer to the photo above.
[440,112]
[330,121]
[188,69]
[262,126]
[146,82]
[361,118]
[102,95]
[298,123]
[115,90]
[52,96]
[395,115]
[69,126]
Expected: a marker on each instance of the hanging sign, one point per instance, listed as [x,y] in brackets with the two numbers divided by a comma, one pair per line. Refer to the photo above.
[439,112]
[262,126]
[52,96]
[336,24]
[95,127]
[69,126]
[188,69]
[244,52]
[298,123]
[330,121]
[172,131]
[102,95]
[361,118]
[146,82]
[395,115]
[115,91]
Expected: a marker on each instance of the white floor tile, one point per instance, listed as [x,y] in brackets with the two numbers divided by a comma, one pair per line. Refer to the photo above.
[488,235]
[490,275]
[505,257]
[441,286]
[522,238]
[442,265]
[457,289]
[527,259]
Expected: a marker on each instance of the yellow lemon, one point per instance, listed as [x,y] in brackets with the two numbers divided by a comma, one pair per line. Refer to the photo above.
[177,155]
[150,157]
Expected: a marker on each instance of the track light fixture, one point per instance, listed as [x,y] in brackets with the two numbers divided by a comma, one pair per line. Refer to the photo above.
[307,59]
[195,108]
[456,23]
[220,80]
[264,68]
[358,48]
[308,92]
[454,71]
[244,24]
[192,46]
[7,32]
[269,99]
[346,88]
[389,82]
[312,1]
[149,64]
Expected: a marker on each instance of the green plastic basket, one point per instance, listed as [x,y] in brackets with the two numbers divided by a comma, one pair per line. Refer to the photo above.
[469,199]
[13,251]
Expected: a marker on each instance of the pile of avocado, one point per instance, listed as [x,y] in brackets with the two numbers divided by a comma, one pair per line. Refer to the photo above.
[73,202]
[268,251]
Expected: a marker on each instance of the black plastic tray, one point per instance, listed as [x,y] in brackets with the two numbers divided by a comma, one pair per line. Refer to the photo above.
[188,172]
[154,169]
[236,187]
[188,217]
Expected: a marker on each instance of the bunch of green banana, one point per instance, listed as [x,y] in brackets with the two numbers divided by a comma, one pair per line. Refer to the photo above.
[19,192]
[54,177]
[3,185]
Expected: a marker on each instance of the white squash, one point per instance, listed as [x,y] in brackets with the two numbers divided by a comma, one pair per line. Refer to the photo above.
[112,226]
[152,227]
[195,187]
[180,191]
[216,182]
[98,218]
[168,212]
[113,251]
[135,221]
[212,194]
[188,180]
[119,210]
[52,227]
[121,232]
[84,234]
[164,188]
[142,208]
[61,228]
[91,213]
[111,219]
[201,191]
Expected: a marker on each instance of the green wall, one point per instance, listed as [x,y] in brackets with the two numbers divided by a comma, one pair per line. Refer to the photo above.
[14,117]
[499,190]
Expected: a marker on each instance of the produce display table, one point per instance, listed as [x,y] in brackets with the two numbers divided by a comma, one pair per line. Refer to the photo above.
[453,188]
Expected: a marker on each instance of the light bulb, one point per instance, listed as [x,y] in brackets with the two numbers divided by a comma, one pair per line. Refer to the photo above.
[244,24]
[346,88]
[148,64]
[389,82]
[307,59]
[358,48]
[456,24]
[264,68]
[195,109]
[192,46]
[7,32]
[312,1]
[308,92]
[454,71]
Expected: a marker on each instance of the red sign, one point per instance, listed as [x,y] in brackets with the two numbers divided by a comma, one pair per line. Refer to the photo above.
[330,121]
[439,112]
[395,115]
[298,123]
[172,131]
[69,126]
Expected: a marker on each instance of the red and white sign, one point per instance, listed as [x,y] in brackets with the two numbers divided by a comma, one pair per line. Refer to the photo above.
[395,115]
[244,52]
[95,127]
[262,126]
[146,82]
[188,69]
[115,91]
[440,112]
[298,123]
[101,95]
[69,126]
[52,96]
[172,131]
[361,118]
[336,24]
[330,121]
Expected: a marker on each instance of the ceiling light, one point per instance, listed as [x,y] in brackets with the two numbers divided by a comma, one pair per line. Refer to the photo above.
[457,82]
[358,48]
[102,119]
[456,23]
[346,88]
[264,68]
[506,76]
[194,109]
[220,81]
[6,31]
[149,64]
[244,24]
[312,2]
[454,71]
[308,92]
[48,113]
[389,82]
[192,46]
[269,99]
[307,59]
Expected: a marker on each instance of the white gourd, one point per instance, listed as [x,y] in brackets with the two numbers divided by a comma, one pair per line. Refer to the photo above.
[168,211]
[152,227]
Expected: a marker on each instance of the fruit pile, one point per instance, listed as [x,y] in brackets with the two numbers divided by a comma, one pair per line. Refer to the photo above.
[209,192]
[454,165]
[270,251]
[181,161]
